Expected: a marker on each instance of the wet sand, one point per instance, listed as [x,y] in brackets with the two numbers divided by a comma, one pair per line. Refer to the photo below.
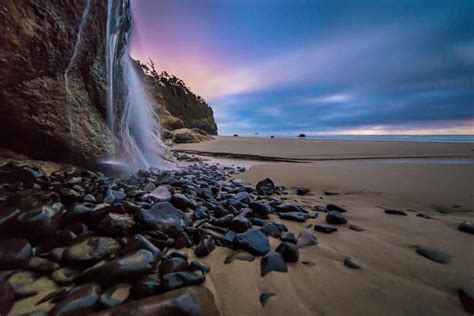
[394,279]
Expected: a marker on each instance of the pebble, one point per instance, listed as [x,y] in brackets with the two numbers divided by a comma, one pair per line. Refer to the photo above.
[325,229]
[264,297]
[273,261]
[253,241]
[302,191]
[205,247]
[306,239]
[335,218]
[395,212]
[466,227]
[334,207]
[161,193]
[90,250]
[433,255]
[350,263]
[288,251]
[265,187]
[466,297]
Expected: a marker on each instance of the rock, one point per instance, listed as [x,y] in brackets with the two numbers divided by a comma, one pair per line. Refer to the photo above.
[289,208]
[176,280]
[7,297]
[90,250]
[325,229]
[395,212]
[89,198]
[164,217]
[147,286]
[265,296]
[288,237]
[173,264]
[356,228]
[348,262]
[330,193]
[260,209]
[306,239]
[183,241]
[161,193]
[205,247]
[193,300]
[308,263]
[265,187]
[273,261]
[65,276]
[334,207]
[301,135]
[425,216]
[288,251]
[14,253]
[78,300]
[240,224]
[116,224]
[253,241]
[466,227]
[294,216]
[42,265]
[199,266]
[243,197]
[466,297]
[129,266]
[21,282]
[41,222]
[239,255]
[335,218]
[319,208]
[271,229]
[182,202]
[433,255]
[185,135]
[302,191]
[115,295]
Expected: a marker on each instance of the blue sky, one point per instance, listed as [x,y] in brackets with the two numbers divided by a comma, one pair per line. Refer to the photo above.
[319,67]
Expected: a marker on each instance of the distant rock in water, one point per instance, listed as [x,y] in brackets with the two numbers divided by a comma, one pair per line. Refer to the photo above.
[301,135]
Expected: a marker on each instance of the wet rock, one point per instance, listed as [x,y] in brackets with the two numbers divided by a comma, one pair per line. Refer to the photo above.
[173,264]
[129,266]
[194,300]
[115,295]
[265,187]
[21,283]
[287,208]
[43,221]
[356,228]
[260,209]
[116,224]
[201,212]
[302,191]
[65,276]
[306,239]
[466,227]
[433,255]
[288,251]
[42,265]
[425,216]
[183,241]
[253,241]
[335,218]
[7,297]
[182,202]
[466,297]
[176,280]
[273,261]
[69,195]
[205,247]
[240,224]
[294,216]
[147,286]
[325,229]
[89,198]
[164,217]
[288,237]
[271,229]
[143,243]
[239,255]
[161,193]
[90,250]
[334,207]
[14,253]
[199,266]
[319,209]
[78,300]
[350,263]
[264,297]
[395,212]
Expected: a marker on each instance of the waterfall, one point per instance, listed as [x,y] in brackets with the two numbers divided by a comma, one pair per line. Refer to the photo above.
[130,115]
[69,97]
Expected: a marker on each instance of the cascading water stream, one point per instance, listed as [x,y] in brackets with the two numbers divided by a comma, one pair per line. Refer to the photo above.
[69,96]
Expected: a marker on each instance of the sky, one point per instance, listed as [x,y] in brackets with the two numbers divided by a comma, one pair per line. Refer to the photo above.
[284,67]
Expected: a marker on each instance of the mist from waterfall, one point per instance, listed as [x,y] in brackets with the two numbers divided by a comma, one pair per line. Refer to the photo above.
[69,97]
[127,100]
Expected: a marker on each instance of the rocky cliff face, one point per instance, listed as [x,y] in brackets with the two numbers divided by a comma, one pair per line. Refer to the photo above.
[37,41]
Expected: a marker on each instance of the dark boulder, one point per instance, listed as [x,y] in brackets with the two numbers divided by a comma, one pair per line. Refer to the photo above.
[164,217]
[288,251]
[265,187]
[205,247]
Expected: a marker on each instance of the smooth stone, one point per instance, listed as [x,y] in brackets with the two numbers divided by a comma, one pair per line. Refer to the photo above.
[183,241]
[325,229]
[319,209]
[425,216]
[356,228]
[149,187]
[271,229]
[294,216]
[115,295]
[78,300]
[182,202]
[176,280]
[243,197]
[89,198]
[192,301]
[201,212]
[273,261]
[161,193]
[265,187]
[395,212]
[205,247]
[21,283]
[116,224]
[328,193]
[173,264]
[466,297]
[65,276]
[199,266]
[41,222]
[288,237]
[334,207]
[466,227]
[264,297]
[350,263]
[90,250]
[433,255]
[335,218]
[42,265]
[239,255]
[7,297]
[301,191]
[253,241]
[14,253]
[163,216]
[147,286]
[288,251]
[240,224]
[143,243]
[260,208]
[306,239]
[129,266]
[287,208]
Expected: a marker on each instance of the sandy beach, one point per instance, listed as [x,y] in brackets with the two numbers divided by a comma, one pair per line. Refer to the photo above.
[394,279]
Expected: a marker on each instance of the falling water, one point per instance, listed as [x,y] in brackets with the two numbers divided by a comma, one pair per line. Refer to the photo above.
[69,96]
[127,101]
